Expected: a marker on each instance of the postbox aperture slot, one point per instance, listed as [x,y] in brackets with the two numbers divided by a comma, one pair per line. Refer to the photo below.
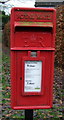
[21,28]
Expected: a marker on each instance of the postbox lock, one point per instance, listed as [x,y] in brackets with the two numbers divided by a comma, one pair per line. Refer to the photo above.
[20,78]
[33,53]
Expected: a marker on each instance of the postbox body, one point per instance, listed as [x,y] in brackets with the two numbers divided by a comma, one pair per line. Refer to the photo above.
[32,57]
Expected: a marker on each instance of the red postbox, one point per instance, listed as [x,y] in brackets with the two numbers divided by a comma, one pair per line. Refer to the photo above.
[33,33]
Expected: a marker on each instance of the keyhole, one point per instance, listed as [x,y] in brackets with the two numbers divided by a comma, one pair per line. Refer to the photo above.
[20,78]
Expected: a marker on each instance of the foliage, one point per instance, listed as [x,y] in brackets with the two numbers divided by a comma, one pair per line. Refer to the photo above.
[6,34]
[5,19]
[62,46]
[59,36]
